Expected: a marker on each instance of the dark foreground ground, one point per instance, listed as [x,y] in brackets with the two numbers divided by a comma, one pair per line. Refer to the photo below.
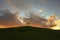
[29,33]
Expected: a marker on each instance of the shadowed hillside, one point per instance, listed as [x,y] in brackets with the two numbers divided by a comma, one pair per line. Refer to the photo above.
[29,33]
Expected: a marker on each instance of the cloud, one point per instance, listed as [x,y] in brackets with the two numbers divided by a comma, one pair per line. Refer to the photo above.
[1,4]
[33,19]
[36,21]
[9,19]
[20,4]
[44,1]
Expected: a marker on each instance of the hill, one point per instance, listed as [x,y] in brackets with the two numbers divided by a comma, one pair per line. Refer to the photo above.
[29,33]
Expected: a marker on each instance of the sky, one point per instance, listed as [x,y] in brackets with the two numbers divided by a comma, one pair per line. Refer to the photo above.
[49,6]
[24,7]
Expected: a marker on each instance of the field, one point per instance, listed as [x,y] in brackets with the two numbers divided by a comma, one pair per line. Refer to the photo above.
[29,33]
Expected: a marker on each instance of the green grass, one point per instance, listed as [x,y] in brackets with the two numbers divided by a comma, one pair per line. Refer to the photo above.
[29,33]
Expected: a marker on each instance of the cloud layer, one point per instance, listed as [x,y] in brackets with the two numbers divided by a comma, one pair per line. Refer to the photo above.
[9,19]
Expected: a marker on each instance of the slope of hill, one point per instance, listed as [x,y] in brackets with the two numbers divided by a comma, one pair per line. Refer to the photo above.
[29,33]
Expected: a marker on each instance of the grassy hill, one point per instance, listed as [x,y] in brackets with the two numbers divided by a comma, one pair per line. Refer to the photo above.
[29,33]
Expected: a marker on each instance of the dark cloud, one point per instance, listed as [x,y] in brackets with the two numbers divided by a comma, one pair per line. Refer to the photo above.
[9,19]
[36,21]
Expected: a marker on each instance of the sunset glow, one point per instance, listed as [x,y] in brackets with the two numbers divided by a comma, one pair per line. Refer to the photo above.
[57,27]
[35,13]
